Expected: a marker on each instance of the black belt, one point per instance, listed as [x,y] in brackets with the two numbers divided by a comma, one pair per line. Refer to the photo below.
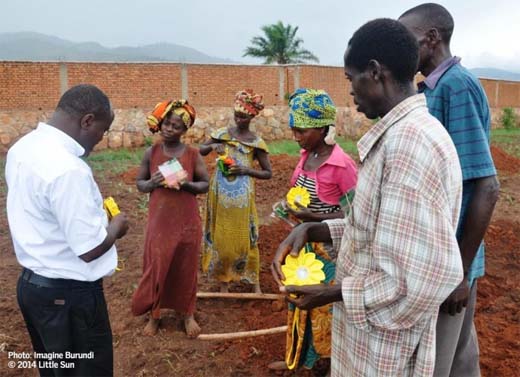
[42,281]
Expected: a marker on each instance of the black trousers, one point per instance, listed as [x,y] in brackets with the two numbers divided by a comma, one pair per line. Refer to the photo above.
[67,316]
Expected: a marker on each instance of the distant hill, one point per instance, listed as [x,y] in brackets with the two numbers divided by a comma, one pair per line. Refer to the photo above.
[40,47]
[494,73]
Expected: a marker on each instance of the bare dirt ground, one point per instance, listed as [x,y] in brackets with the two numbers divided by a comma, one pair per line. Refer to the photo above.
[171,353]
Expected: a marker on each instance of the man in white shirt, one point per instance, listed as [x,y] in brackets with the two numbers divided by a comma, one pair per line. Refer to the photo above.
[62,237]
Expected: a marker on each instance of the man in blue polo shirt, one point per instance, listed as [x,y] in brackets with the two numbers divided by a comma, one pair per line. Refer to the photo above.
[456,98]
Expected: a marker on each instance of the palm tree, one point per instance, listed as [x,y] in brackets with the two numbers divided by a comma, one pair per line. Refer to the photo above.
[279,45]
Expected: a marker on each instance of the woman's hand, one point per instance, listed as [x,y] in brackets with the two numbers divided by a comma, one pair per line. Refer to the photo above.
[156,180]
[302,213]
[219,148]
[294,242]
[312,296]
[208,146]
[239,170]
[182,177]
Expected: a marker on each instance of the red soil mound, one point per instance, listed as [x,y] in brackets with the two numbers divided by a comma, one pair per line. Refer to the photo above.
[170,353]
[498,315]
[504,162]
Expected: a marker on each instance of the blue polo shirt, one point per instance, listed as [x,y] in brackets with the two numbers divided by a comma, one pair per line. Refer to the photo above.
[456,98]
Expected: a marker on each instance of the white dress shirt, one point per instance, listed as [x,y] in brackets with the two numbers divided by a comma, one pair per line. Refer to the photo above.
[54,207]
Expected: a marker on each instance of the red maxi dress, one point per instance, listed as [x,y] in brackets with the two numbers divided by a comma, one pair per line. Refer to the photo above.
[172,245]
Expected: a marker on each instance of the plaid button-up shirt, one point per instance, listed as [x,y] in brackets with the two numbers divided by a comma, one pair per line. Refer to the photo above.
[398,253]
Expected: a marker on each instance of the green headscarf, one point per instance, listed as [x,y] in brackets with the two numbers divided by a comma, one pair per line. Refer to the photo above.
[311,108]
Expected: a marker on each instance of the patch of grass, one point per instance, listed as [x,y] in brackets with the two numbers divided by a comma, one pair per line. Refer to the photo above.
[116,160]
[292,148]
[142,203]
[289,147]
[349,146]
[507,140]
[501,134]
[148,141]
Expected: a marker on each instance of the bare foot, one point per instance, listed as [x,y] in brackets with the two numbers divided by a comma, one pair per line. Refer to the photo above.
[257,288]
[152,327]
[192,327]
[224,287]
[278,365]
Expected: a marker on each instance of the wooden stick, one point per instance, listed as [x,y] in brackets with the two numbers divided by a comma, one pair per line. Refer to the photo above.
[242,334]
[252,296]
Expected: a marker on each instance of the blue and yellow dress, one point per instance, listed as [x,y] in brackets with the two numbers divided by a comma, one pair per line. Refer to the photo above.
[231,233]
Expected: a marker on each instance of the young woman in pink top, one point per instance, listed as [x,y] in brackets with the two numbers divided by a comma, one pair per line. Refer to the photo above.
[329,175]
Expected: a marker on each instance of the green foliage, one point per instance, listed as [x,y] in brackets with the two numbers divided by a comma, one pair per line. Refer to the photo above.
[142,203]
[507,140]
[148,141]
[349,146]
[501,135]
[292,148]
[289,147]
[117,160]
[279,45]
[509,119]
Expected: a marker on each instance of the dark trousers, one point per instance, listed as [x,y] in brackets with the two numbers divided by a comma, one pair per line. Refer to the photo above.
[67,316]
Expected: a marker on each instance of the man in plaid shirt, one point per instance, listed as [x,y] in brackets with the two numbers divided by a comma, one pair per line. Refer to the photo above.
[398,253]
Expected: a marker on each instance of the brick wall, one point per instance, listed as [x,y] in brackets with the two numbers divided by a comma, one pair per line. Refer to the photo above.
[129,85]
[29,85]
[216,85]
[331,79]
[29,91]
[35,85]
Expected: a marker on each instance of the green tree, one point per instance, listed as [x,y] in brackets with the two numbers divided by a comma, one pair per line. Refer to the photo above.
[508,118]
[279,45]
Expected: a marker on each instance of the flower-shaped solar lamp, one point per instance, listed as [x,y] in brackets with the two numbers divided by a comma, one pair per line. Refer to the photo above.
[304,269]
[298,195]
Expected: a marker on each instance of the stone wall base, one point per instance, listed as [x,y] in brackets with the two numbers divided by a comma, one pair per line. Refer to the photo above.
[129,128]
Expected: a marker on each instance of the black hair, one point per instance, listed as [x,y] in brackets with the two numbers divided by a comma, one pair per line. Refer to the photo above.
[85,99]
[434,16]
[388,42]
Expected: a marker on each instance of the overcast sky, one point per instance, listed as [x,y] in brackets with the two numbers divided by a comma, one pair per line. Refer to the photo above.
[487,32]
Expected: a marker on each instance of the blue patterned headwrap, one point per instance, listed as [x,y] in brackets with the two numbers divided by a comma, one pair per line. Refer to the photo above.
[311,108]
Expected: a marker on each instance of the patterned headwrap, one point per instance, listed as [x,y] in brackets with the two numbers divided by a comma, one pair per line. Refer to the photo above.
[313,108]
[248,102]
[179,107]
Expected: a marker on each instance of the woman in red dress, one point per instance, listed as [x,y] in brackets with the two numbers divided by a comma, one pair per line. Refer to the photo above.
[174,230]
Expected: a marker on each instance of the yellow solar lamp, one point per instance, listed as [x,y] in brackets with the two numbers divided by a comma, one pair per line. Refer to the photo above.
[120,264]
[304,269]
[298,195]
[111,207]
